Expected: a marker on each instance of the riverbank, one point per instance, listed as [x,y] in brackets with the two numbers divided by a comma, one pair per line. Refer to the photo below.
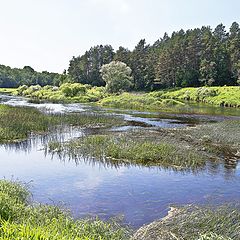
[165,100]
[21,218]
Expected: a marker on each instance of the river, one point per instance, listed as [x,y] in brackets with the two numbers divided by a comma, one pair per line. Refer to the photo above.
[140,194]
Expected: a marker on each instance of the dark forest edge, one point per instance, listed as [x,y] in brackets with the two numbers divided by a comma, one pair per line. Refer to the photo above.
[193,58]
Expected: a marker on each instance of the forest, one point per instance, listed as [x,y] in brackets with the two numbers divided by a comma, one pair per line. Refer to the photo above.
[192,58]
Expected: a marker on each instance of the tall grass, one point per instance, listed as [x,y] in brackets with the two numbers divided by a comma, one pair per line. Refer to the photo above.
[18,123]
[128,150]
[20,220]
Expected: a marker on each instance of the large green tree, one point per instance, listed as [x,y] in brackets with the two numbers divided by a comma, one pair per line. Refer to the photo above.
[117,76]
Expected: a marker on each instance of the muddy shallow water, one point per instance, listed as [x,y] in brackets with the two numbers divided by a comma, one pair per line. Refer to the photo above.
[139,193]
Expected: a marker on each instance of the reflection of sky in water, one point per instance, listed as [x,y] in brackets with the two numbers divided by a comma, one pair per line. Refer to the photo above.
[141,194]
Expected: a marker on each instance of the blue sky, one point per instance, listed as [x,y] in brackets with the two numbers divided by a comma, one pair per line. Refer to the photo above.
[45,34]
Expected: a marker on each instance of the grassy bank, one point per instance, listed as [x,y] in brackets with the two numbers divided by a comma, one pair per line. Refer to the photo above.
[157,100]
[19,219]
[217,96]
[8,90]
[18,123]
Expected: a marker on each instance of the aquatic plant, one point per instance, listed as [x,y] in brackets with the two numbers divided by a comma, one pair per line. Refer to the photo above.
[128,150]
[18,123]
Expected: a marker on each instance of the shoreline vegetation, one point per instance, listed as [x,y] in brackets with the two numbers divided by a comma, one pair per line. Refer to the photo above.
[165,100]
[18,123]
[21,218]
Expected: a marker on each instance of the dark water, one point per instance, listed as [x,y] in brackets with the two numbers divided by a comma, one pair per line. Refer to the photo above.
[141,194]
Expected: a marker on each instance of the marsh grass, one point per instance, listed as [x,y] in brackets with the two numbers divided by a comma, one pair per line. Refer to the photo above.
[17,123]
[20,220]
[127,150]
[196,223]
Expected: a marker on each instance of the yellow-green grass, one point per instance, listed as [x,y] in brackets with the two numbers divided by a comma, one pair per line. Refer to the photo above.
[217,96]
[8,90]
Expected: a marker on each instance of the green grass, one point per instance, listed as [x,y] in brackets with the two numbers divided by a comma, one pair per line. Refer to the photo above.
[18,123]
[21,220]
[147,101]
[125,149]
[8,90]
[166,100]
[217,96]
[196,223]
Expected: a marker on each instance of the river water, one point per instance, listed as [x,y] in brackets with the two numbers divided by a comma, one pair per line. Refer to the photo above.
[140,194]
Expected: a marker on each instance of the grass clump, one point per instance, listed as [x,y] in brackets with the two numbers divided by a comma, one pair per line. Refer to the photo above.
[20,220]
[148,101]
[195,223]
[128,150]
[18,123]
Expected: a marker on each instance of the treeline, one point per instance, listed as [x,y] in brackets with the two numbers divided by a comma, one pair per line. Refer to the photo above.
[197,57]
[14,77]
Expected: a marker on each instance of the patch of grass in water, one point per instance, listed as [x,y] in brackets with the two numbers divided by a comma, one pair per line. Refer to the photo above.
[128,150]
[196,222]
[18,123]
[20,220]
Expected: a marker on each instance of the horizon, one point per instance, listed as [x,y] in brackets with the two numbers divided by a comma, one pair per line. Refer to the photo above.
[43,34]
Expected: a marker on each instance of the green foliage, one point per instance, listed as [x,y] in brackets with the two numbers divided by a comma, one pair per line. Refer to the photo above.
[72,90]
[67,92]
[15,77]
[117,76]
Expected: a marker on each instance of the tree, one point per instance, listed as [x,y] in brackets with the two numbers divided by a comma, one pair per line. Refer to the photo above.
[117,76]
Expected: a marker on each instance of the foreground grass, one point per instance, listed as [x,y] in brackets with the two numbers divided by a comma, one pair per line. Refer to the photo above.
[18,123]
[20,220]
[125,149]
[195,223]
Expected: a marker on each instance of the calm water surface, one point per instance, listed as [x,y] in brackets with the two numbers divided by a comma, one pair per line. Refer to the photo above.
[141,194]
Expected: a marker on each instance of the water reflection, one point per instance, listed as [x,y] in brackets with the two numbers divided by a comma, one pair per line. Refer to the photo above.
[90,186]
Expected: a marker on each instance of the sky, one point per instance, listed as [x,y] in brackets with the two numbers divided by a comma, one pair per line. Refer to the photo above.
[46,34]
